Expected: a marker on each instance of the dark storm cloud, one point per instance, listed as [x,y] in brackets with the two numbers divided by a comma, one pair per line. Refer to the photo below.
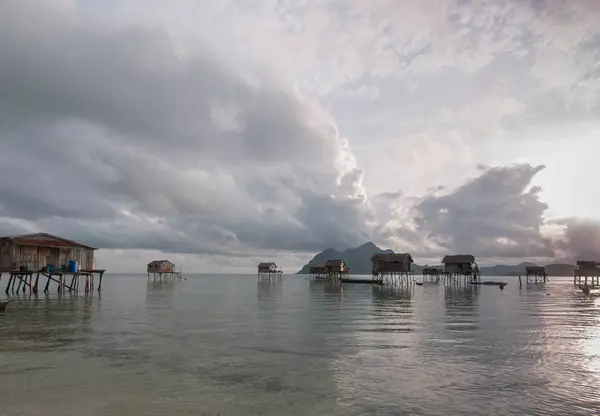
[581,240]
[110,137]
[132,82]
[498,214]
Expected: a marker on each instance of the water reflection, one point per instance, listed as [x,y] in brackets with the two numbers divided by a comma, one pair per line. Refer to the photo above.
[382,293]
[302,348]
[168,285]
[160,295]
[46,323]
[269,292]
[461,308]
[334,287]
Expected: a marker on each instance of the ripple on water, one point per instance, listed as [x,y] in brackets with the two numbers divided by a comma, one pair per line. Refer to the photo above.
[227,345]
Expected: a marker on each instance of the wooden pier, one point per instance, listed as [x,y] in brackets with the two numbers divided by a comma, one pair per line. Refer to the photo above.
[587,269]
[162,271]
[460,269]
[393,269]
[535,274]
[27,258]
[269,272]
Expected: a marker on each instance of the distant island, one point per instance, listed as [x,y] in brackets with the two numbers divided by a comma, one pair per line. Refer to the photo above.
[359,261]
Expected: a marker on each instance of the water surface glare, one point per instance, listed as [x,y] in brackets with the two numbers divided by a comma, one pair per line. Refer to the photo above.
[227,345]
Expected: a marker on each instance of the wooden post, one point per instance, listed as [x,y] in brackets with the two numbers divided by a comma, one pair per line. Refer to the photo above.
[47,283]
[520,283]
[72,284]
[10,277]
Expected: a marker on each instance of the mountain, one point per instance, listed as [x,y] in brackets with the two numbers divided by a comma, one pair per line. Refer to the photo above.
[359,261]
[503,270]
[560,269]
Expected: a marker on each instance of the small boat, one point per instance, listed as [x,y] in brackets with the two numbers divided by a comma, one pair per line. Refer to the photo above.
[362,281]
[489,283]
[419,283]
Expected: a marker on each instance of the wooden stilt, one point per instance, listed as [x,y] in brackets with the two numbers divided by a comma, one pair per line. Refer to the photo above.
[47,287]
[9,282]
[37,278]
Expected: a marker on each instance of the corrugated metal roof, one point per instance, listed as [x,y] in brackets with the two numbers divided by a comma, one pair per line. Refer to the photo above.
[46,240]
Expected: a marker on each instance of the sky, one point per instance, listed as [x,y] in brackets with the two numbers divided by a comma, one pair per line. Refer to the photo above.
[222,134]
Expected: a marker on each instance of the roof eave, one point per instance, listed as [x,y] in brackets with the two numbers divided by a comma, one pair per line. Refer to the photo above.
[52,245]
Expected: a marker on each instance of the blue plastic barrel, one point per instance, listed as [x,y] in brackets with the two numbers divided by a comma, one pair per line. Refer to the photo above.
[50,268]
[73,266]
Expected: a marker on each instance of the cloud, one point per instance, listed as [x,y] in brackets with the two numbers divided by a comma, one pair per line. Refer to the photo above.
[580,238]
[111,136]
[497,214]
[216,127]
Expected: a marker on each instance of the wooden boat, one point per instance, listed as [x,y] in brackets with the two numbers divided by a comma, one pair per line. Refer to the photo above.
[362,281]
[489,283]
[419,283]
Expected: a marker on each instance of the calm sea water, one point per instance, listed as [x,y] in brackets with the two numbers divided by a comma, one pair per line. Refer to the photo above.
[227,345]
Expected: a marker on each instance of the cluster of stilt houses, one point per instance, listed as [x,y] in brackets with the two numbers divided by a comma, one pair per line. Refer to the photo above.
[397,269]
[29,259]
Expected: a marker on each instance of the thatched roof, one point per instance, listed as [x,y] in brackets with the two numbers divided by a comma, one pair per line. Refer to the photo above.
[392,258]
[459,259]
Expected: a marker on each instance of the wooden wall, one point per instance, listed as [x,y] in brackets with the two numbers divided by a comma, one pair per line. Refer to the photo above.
[13,255]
